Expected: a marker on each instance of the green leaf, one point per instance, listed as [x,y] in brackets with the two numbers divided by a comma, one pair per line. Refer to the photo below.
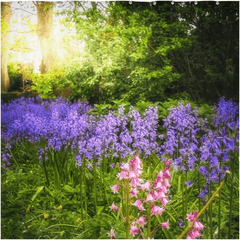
[69,189]
[37,192]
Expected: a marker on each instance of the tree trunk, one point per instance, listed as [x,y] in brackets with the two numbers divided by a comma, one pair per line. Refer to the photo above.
[45,34]
[6,13]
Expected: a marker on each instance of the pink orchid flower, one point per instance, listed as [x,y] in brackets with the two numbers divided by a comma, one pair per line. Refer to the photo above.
[158,185]
[126,167]
[166,173]
[115,188]
[156,210]
[193,234]
[134,182]
[137,160]
[141,221]
[123,175]
[138,204]
[150,198]
[134,230]
[164,201]
[166,183]
[190,216]
[168,162]
[132,175]
[161,195]
[165,224]
[133,193]
[197,225]
[113,207]
[111,234]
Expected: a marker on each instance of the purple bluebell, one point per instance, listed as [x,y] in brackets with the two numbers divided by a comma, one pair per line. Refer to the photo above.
[182,126]
[189,183]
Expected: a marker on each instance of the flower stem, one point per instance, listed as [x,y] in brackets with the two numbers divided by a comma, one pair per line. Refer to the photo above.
[85,192]
[95,188]
[199,200]
[189,227]
[207,223]
[186,200]
[219,213]
[183,197]
[149,222]
[128,211]
[210,212]
[231,198]
[81,195]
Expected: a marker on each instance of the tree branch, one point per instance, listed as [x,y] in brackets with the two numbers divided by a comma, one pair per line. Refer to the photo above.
[23,10]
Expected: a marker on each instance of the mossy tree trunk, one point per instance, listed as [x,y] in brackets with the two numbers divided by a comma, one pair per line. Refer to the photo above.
[45,34]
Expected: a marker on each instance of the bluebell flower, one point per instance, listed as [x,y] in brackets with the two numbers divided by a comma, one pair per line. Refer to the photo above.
[182,125]
[180,223]
[112,165]
[204,171]
[189,183]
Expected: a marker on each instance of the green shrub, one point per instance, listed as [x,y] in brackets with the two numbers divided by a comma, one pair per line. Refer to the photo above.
[16,77]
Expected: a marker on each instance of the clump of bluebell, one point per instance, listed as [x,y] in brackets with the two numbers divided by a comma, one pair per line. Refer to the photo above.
[66,126]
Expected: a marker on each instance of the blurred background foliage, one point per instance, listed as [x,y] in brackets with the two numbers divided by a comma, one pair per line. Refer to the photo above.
[145,52]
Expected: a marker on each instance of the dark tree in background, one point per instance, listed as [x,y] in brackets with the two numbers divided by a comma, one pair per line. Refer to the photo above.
[160,50]
[210,67]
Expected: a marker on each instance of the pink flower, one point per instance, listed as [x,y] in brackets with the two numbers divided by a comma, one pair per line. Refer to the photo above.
[150,198]
[166,173]
[195,214]
[134,230]
[126,167]
[123,175]
[158,185]
[193,234]
[156,210]
[164,201]
[197,225]
[163,189]
[138,204]
[146,186]
[190,235]
[132,175]
[155,195]
[133,193]
[166,183]
[168,162]
[159,176]
[190,216]
[115,188]
[165,224]
[134,182]
[161,195]
[141,208]
[111,234]
[137,160]
[196,234]
[113,207]
[141,221]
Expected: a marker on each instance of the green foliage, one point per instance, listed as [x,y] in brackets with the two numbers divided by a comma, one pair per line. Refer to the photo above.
[15,75]
[43,84]
[46,84]
[4,27]
[124,57]
[31,209]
